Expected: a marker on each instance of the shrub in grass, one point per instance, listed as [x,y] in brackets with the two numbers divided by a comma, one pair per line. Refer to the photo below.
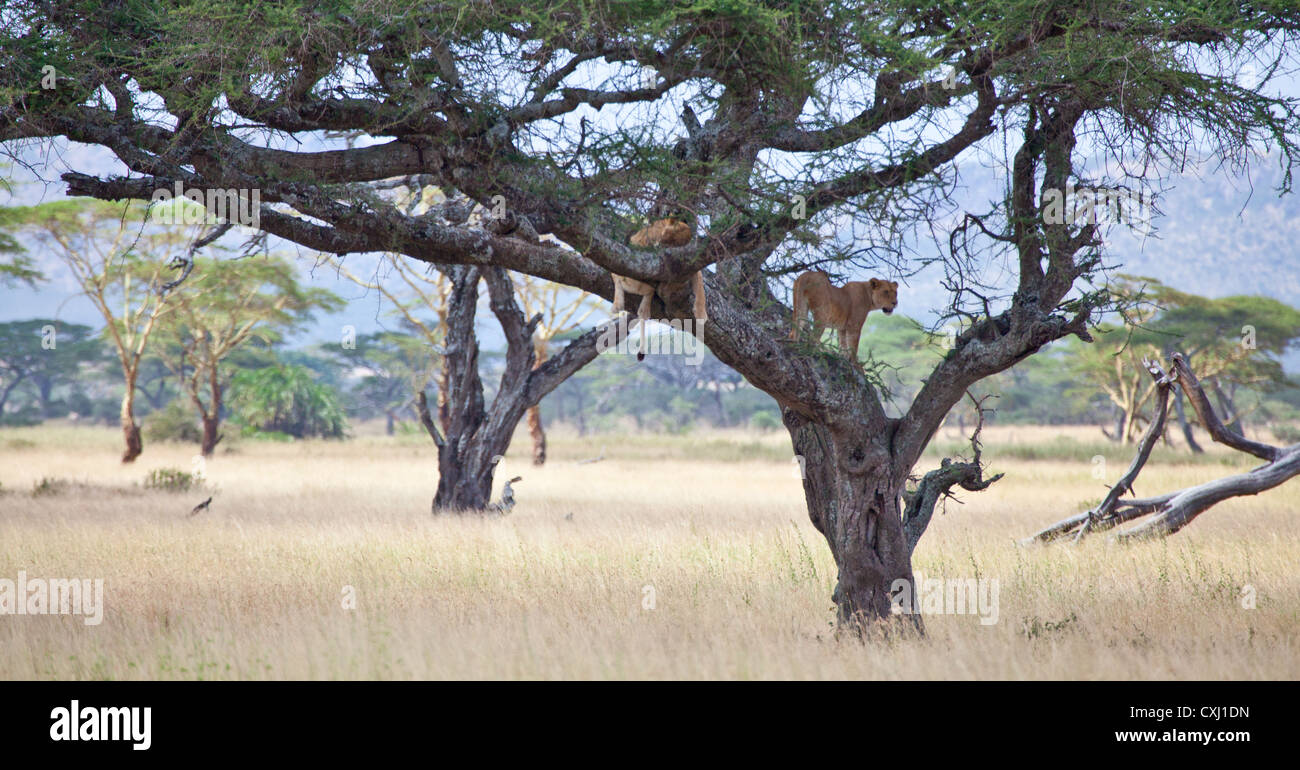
[171,480]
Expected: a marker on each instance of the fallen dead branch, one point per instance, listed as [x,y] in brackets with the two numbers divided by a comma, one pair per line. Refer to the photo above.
[1172,511]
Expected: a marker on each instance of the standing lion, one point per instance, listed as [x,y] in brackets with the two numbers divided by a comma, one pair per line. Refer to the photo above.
[842,308]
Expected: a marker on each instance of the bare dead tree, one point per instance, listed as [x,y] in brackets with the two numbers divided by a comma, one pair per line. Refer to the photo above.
[1172,511]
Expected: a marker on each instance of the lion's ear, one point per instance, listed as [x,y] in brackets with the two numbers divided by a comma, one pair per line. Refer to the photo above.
[875,283]
[894,284]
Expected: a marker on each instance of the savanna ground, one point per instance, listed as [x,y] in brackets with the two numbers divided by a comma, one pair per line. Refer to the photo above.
[712,527]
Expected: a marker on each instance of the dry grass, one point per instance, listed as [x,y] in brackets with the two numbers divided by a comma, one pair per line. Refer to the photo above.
[714,526]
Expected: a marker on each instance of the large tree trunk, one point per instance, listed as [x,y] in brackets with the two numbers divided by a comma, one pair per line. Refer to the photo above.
[853,499]
[130,431]
[211,434]
[465,481]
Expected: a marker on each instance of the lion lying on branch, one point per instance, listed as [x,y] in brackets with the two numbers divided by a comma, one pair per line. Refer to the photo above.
[663,232]
[842,308]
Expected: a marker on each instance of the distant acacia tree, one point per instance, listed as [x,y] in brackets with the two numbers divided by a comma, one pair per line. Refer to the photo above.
[45,354]
[1231,341]
[226,304]
[393,367]
[121,264]
[824,133]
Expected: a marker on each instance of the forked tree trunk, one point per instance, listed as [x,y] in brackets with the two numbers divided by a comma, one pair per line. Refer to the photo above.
[477,432]
[465,473]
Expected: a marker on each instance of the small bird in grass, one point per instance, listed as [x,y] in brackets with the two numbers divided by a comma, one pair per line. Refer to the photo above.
[201,507]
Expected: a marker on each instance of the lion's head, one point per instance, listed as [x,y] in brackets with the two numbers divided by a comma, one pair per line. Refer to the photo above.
[884,294]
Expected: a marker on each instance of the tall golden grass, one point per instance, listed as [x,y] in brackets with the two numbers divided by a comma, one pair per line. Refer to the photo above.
[674,557]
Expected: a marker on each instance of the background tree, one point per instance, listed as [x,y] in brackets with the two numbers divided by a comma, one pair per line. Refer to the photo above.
[824,132]
[562,311]
[472,434]
[393,366]
[119,263]
[225,305]
[47,355]
[419,298]
[1233,341]
[286,400]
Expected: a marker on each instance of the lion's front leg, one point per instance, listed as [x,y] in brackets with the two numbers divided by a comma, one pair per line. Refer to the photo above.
[643,316]
[618,296]
[701,309]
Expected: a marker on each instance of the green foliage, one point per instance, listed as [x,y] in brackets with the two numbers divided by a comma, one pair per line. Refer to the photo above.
[765,422]
[174,422]
[171,480]
[285,399]
[41,362]
[16,268]
[397,365]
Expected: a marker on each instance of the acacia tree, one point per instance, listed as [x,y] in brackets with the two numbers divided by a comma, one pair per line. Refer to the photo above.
[225,305]
[395,366]
[46,354]
[119,263]
[794,134]
[1231,341]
